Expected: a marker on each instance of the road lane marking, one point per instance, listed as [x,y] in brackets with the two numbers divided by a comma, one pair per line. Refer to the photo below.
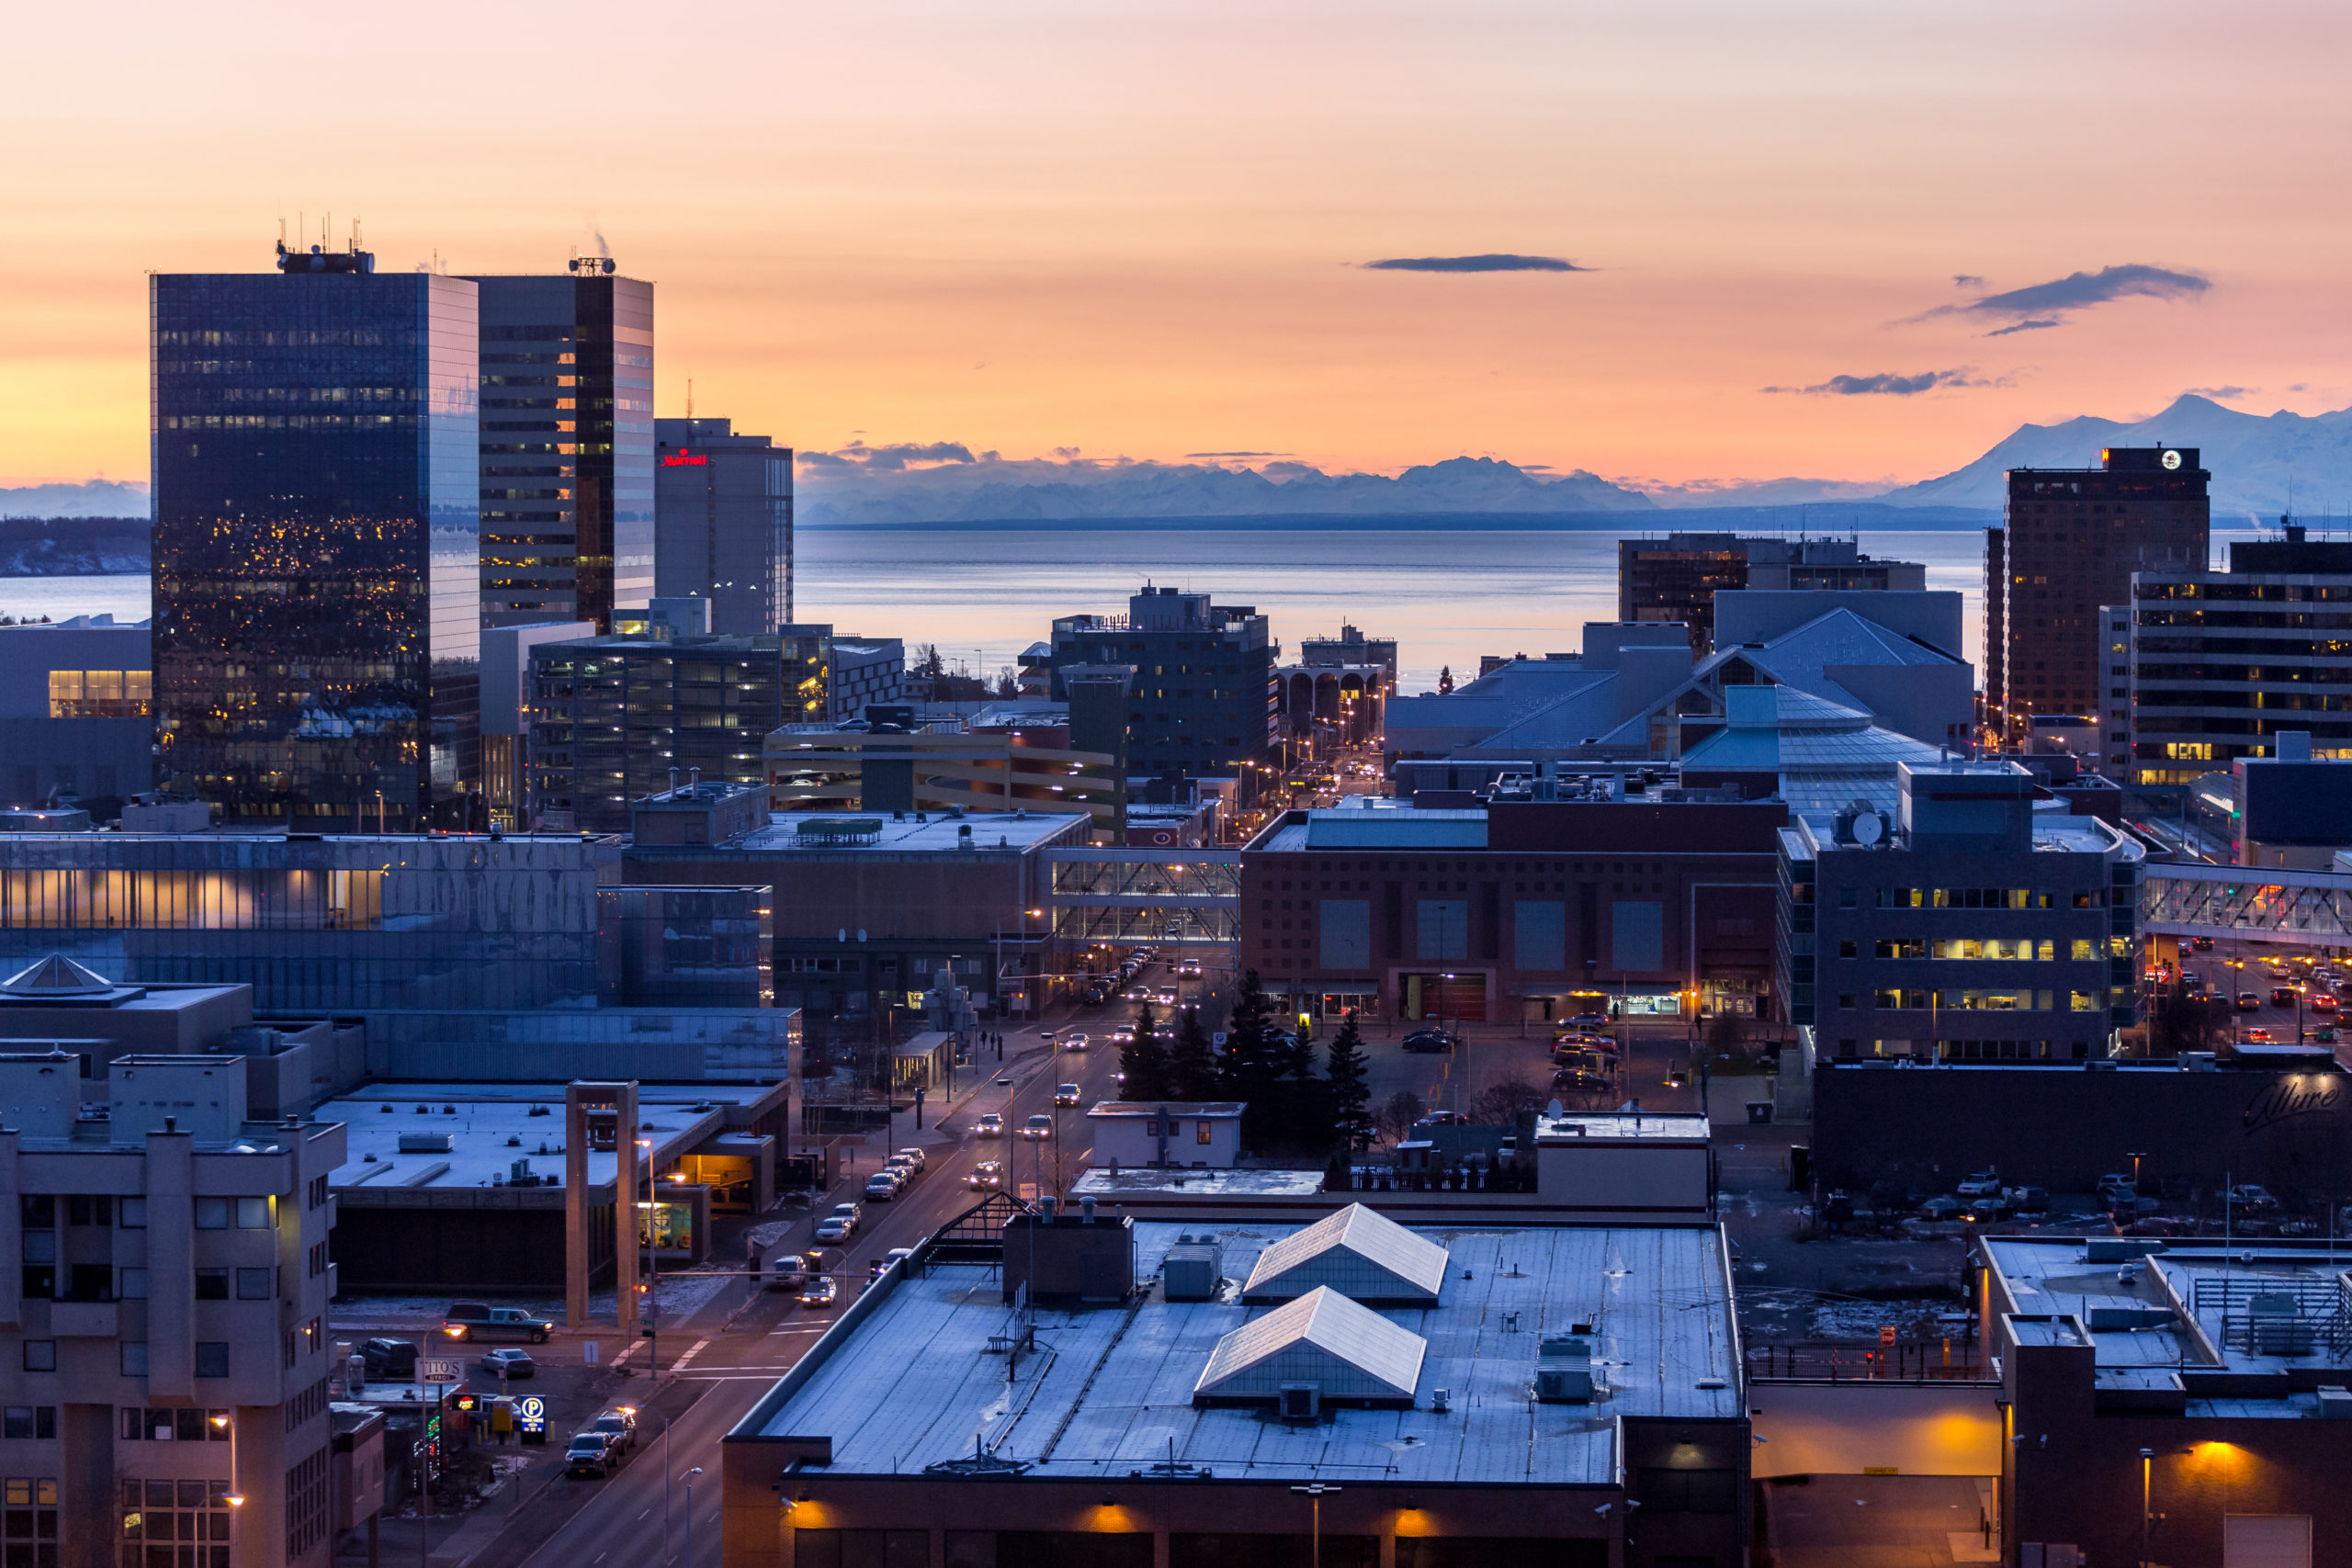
[692,1352]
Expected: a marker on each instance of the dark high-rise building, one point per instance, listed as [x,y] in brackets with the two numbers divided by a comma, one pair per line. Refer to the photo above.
[1677,578]
[2070,540]
[722,507]
[1202,702]
[317,581]
[567,446]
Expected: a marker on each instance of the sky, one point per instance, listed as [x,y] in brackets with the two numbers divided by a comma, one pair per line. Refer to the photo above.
[1838,239]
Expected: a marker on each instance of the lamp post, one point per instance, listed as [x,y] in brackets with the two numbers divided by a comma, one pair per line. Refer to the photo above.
[690,1514]
[653,1265]
[236,1500]
[1313,1492]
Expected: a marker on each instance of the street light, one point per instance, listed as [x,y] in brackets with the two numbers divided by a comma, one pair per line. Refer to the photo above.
[1313,1492]
[222,1421]
[690,1514]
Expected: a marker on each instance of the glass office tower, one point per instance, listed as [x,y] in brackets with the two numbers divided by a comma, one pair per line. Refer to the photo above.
[567,446]
[317,568]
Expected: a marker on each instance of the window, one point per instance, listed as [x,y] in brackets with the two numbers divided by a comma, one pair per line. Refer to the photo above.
[1203,1135]
[213,1213]
[132,1213]
[29,1519]
[30,1421]
[90,1211]
[134,1358]
[213,1284]
[212,1358]
[40,1355]
[252,1213]
[254,1284]
[133,1286]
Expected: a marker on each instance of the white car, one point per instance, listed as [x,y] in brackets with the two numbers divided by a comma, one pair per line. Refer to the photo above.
[1983,1184]
[991,1125]
[1075,1041]
[883,1186]
[912,1155]
[1038,1128]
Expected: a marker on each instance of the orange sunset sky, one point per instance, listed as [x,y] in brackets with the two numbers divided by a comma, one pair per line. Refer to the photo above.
[1139,228]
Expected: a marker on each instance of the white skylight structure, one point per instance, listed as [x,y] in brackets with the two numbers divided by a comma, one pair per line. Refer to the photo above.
[1361,1254]
[1322,1345]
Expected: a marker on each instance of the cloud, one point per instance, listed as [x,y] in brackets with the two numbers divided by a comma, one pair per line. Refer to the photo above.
[890,458]
[1497,262]
[1236,454]
[1966,280]
[2223,394]
[2042,305]
[1887,383]
[1067,453]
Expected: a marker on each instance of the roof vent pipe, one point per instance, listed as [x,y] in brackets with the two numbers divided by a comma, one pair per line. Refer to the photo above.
[693,780]
[1046,1209]
[1086,1209]
[673,780]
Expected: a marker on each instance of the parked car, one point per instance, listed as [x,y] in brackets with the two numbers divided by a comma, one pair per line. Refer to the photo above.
[912,1155]
[1038,1128]
[2029,1200]
[1576,1080]
[1429,1041]
[1985,1209]
[1940,1208]
[986,1177]
[841,1225]
[2117,1189]
[1076,1041]
[1441,1119]
[388,1360]
[883,1186]
[1065,1094]
[619,1425]
[589,1454]
[509,1362]
[787,1271]
[991,1125]
[479,1320]
[1981,1184]
[1589,1020]
[2253,1198]
[820,1292]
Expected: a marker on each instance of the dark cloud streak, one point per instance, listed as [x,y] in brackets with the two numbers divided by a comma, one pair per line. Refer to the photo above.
[1887,383]
[1495,262]
[2036,325]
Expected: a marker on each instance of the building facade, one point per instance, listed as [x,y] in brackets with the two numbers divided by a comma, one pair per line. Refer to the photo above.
[723,523]
[2222,663]
[1968,926]
[1203,701]
[866,669]
[317,568]
[165,1336]
[1676,579]
[1537,910]
[613,717]
[2070,540]
[76,711]
[566,459]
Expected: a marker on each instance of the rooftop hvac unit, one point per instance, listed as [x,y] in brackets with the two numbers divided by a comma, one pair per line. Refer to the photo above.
[2275,1327]
[1194,1268]
[1563,1371]
[426,1143]
[1301,1401]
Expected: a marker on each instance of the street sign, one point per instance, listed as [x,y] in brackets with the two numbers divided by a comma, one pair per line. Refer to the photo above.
[531,1414]
[438,1371]
[1886,1334]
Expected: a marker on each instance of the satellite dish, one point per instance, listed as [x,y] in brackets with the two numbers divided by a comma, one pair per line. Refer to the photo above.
[1870,828]
[1555,1108]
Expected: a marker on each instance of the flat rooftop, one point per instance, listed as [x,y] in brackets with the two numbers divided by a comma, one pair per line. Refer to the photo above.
[936,835]
[486,1116]
[1615,1127]
[1207,1185]
[1110,1390]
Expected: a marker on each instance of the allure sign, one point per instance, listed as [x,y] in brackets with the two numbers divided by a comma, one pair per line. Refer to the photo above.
[2303,1094]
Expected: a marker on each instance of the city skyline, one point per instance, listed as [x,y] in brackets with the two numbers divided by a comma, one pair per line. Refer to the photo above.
[1582,240]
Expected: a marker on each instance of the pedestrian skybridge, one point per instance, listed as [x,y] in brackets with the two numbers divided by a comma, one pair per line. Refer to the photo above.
[2188,898]
[1128,897]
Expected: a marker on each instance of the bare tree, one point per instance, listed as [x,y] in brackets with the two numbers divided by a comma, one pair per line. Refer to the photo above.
[1498,1104]
[1396,1117]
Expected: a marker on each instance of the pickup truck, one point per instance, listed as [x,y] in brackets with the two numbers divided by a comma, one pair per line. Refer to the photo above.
[478,1320]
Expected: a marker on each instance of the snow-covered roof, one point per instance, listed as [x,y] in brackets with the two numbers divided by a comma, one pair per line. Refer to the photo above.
[1346,1352]
[1367,1255]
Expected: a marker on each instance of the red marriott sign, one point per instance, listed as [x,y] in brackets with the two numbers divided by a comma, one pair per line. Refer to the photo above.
[683,458]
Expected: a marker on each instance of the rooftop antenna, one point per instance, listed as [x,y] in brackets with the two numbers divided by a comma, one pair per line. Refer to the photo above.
[690,397]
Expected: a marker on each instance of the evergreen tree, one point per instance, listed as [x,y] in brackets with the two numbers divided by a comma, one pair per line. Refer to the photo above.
[1191,1063]
[1307,1098]
[1350,1096]
[1145,1061]
[1254,1065]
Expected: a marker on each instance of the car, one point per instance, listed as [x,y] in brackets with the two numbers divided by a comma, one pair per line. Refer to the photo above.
[589,1454]
[1123,1035]
[479,1320]
[1990,1207]
[2029,1200]
[991,1124]
[1038,1128]
[876,1267]
[2249,1002]
[903,1167]
[388,1360]
[1589,1020]
[2117,1192]
[787,1271]
[883,1186]
[1076,1040]
[1429,1041]
[508,1362]
[1189,968]
[2323,1002]
[1138,994]
[2249,1197]
[986,1177]
[618,1425]
[1441,1119]
[820,1292]
[1065,1094]
[1167,994]
[2201,943]
[912,1155]
[1940,1208]
[2257,1037]
[1576,1080]
[2284,996]
[834,1228]
[1980,1184]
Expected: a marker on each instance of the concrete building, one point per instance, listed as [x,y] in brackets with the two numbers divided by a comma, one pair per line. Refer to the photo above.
[164,1333]
[507,712]
[567,446]
[1043,757]
[2288,809]
[2070,541]
[1624,1168]
[1193,1136]
[866,671]
[2167,1402]
[870,908]
[1516,910]
[1966,926]
[613,716]
[1676,579]
[2222,664]
[1172,1422]
[1203,701]
[1352,648]
[723,524]
[76,711]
